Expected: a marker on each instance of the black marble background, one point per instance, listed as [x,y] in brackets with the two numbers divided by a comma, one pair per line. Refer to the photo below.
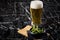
[15,14]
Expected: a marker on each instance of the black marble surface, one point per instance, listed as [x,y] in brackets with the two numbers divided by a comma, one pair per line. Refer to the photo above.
[16,14]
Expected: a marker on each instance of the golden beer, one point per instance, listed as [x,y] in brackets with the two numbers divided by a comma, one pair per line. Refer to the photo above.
[36,8]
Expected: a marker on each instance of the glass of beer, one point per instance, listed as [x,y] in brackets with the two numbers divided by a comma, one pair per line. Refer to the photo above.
[36,9]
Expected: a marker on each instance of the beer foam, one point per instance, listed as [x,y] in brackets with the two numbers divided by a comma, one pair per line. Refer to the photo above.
[36,4]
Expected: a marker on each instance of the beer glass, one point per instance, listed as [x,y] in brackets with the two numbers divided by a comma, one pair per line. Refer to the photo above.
[36,8]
